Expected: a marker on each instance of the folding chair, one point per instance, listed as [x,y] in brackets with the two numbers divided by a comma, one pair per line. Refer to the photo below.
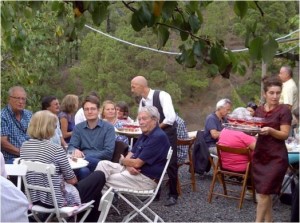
[16,170]
[60,213]
[140,195]
[105,204]
[189,162]
[221,172]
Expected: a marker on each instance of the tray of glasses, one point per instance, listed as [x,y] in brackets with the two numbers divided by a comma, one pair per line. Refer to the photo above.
[242,128]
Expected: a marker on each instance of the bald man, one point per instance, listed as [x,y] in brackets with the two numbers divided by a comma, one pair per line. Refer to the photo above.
[289,93]
[163,102]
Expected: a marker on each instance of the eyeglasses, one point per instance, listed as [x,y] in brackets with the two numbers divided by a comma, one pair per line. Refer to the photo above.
[19,98]
[90,109]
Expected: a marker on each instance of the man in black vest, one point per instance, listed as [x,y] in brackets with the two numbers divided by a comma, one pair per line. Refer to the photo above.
[163,102]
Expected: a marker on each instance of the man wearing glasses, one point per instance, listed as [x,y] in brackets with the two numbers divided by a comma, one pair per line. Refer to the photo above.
[14,122]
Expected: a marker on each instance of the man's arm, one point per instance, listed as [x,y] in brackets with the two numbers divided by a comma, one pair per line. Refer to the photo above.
[168,109]
[107,151]
[214,133]
[8,147]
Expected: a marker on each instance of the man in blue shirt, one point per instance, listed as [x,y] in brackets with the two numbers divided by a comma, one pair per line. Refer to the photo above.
[93,139]
[14,123]
[213,124]
[141,169]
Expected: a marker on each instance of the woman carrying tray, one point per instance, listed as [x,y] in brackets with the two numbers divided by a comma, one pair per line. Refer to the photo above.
[270,159]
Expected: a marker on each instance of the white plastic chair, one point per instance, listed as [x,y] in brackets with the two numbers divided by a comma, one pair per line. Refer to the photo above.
[16,170]
[140,195]
[60,213]
[105,204]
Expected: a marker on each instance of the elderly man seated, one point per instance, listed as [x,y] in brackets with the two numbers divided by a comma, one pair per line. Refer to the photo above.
[143,166]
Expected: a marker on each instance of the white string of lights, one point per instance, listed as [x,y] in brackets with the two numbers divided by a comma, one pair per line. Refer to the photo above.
[176,53]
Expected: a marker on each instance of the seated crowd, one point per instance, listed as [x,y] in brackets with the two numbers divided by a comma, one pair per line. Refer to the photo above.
[89,132]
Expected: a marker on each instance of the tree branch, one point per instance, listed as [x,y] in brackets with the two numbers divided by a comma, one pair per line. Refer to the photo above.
[259,8]
[127,5]
[185,31]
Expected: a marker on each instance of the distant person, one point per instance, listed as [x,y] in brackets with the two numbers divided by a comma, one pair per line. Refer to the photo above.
[123,112]
[182,133]
[79,116]
[236,139]
[213,124]
[93,139]
[69,106]
[289,94]
[109,114]
[163,102]
[141,169]
[51,104]
[68,190]
[270,158]
[14,203]
[14,123]
[251,107]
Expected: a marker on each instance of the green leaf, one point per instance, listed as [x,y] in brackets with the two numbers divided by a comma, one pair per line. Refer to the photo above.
[192,6]
[168,8]
[255,48]
[194,22]
[190,61]
[136,23]
[269,50]
[184,35]
[163,36]
[240,8]
[198,48]
[217,57]
[100,12]
[213,69]
[80,22]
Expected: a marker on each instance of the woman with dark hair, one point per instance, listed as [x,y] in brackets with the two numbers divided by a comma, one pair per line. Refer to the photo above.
[270,158]
[123,112]
[251,107]
[51,104]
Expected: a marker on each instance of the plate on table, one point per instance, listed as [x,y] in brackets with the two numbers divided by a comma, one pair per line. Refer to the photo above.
[124,132]
[242,128]
[77,163]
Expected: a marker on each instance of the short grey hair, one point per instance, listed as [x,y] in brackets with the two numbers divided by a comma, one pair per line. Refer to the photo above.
[289,70]
[222,103]
[241,111]
[15,88]
[152,111]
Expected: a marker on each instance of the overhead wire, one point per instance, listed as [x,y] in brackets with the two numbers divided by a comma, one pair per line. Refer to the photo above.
[176,53]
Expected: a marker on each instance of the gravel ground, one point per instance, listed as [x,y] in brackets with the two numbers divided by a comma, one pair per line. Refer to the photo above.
[194,207]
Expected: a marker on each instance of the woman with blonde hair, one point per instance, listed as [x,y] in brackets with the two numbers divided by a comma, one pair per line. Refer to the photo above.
[109,114]
[68,190]
[69,106]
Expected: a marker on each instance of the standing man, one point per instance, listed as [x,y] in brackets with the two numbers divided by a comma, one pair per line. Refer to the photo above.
[14,123]
[289,93]
[163,102]
[93,139]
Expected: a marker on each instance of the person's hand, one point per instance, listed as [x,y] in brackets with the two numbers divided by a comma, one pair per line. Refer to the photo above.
[121,159]
[133,171]
[265,131]
[78,154]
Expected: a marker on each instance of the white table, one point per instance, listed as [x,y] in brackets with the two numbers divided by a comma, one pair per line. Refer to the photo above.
[130,135]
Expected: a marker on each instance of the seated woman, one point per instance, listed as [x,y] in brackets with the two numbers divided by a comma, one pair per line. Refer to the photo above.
[251,107]
[236,139]
[69,106]
[123,112]
[109,114]
[69,191]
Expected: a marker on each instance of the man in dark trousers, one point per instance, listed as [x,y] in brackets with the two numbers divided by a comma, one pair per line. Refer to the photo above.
[163,102]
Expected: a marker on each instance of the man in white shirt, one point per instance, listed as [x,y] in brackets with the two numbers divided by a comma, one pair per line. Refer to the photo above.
[289,93]
[163,102]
